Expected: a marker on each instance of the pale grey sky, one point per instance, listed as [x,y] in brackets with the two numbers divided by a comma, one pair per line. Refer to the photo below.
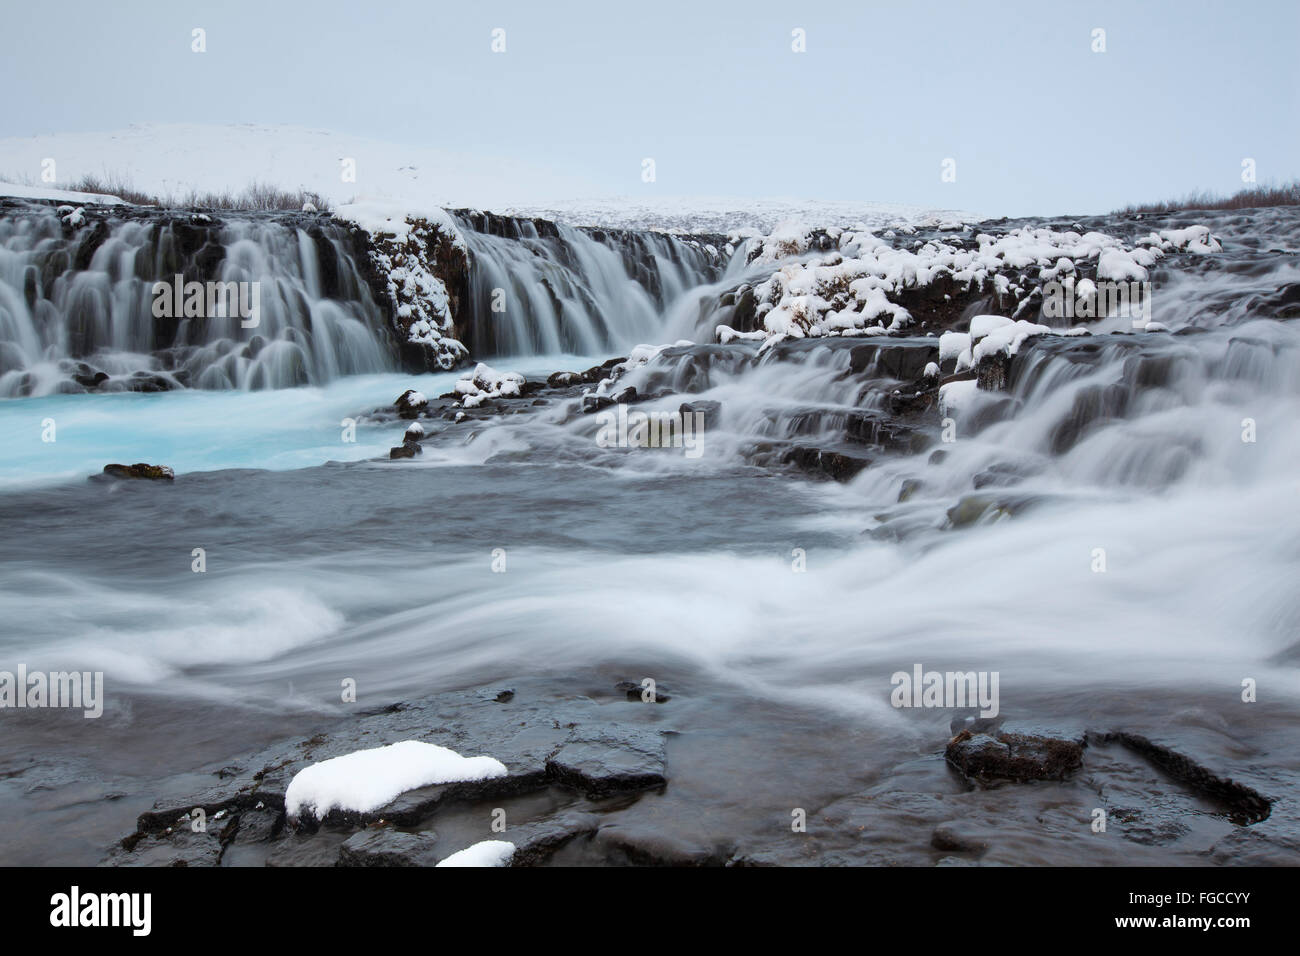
[1036,121]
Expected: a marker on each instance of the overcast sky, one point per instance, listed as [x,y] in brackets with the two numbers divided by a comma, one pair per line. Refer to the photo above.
[1036,122]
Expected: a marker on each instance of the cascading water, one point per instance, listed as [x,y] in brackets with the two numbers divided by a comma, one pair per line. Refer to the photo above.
[77,304]
[570,290]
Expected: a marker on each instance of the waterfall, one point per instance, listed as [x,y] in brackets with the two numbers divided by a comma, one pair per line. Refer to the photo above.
[77,306]
[76,300]
[568,290]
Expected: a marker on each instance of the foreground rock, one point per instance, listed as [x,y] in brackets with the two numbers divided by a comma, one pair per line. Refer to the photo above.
[567,755]
[985,758]
[139,470]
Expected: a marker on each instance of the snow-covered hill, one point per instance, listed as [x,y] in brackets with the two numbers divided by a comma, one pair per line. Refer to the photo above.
[174,160]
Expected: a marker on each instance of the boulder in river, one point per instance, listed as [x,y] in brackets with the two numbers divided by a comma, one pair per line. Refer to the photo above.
[140,470]
[1020,757]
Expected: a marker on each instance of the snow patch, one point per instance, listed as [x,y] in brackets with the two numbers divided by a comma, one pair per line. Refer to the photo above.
[366,780]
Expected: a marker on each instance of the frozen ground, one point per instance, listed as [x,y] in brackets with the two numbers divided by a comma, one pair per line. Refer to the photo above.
[173,160]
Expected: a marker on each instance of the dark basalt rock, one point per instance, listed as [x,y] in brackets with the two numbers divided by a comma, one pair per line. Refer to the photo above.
[595,403]
[406,408]
[407,449]
[951,838]
[1245,804]
[601,764]
[711,409]
[384,846]
[830,464]
[567,746]
[139,470]
[984,759]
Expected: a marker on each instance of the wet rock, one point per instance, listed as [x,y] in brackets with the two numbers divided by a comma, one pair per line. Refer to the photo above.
[410,403]
[594,403]
[1245,804]
[561,744]
[993,372]
[90,379]
[384,846]
[831,464]
[140,470]
[951,838]
[564,379]
[978,509]
[606,762]
[407,449]
[180,847]
[712,410]
[634,691]
[1019,757]
[537,842]
[414,433]
[644,846]
[146,382]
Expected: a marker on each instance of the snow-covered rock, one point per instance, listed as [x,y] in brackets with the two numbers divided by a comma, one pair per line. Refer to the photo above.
[486,382]
[366,780]
[414,252]
[486,853]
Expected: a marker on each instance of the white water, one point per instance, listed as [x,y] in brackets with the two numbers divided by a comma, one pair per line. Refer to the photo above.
[1198,528]
[104,313]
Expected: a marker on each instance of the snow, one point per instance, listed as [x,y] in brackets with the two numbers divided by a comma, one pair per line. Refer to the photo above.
[738,217]
[851,290]
[1007,339]
[486,382]
[955,396]
[403,241]
[952,344]
[175,159]
[22,191]
[486,853]
[982,325]
[366,780]
[381,217]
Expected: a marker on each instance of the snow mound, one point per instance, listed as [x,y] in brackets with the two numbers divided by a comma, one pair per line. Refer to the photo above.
[365,780]
[853,290]
[21,191]
[486,853]
[486,382]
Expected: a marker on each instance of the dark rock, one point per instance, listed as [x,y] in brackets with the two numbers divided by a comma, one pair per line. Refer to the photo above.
[634,691]
[950,838]
[1245,804]
[140,470]
[832,464]
[983,758]
[564,379]
[594,403]
[603,762]
[407,449]
[712,410]
[537,842]
[384,846]
[406,407]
